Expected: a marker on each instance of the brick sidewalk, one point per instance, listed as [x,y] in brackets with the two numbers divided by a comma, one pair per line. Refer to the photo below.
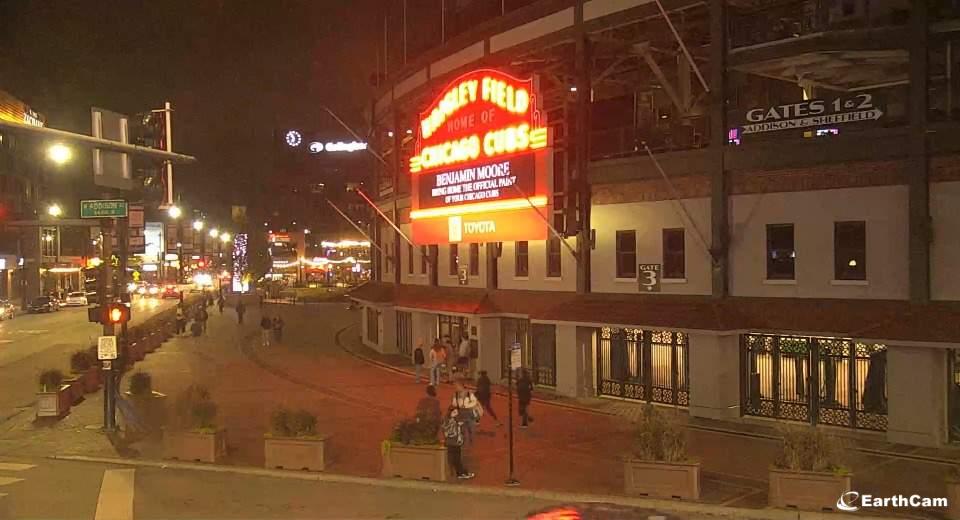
[357,402]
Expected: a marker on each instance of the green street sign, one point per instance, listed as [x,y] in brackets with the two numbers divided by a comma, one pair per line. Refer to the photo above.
[103,208]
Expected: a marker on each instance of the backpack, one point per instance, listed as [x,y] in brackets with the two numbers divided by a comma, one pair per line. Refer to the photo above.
[418,356]
[452,432]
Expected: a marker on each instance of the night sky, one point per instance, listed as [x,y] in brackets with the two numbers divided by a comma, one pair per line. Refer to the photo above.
[234,70]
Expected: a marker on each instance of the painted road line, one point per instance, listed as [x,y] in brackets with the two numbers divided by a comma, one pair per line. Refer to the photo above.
[13,466]
[116,495]
[9,480]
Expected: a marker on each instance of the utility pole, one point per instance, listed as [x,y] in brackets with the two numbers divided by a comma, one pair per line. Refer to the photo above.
[123,279]
[106,284]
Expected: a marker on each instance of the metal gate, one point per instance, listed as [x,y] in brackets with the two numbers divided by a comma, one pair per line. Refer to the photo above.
[833,381]
[404,332]
[647,366]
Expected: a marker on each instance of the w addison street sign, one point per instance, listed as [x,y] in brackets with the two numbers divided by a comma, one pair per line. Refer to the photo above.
[812,113]
[103,208]
[481,152]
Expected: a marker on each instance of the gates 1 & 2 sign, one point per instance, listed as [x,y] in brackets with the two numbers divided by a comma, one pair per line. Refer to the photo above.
[479,171]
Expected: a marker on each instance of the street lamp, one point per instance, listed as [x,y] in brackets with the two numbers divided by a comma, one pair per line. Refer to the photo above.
[54,210]
[214,233]
[198,225]
[225,237]
[59,153]
[174,212]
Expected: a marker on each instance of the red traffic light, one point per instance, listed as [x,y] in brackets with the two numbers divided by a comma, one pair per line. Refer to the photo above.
[116,313]
[201,263]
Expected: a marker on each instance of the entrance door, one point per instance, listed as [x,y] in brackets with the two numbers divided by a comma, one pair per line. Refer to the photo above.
[833,381]
[544,354]
[404,332]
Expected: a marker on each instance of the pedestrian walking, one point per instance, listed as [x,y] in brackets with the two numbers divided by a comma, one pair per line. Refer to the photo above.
[278,328]
[448,358]
[181,320]
[524,396]
[463,356]
[266,327]
[437,359]
[484,394]
[202,317]
[418,360]
[468,407]
[240,308]
[453,439]
[220,304]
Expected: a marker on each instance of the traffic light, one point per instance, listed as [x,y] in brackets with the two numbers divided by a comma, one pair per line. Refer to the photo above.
[201,264]
[115,313]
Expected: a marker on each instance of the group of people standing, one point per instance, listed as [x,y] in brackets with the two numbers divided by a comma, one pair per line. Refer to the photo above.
[271,328]
[467,407]
[197,314]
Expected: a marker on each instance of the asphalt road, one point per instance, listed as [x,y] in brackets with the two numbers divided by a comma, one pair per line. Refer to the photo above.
[93,491]
[31,343]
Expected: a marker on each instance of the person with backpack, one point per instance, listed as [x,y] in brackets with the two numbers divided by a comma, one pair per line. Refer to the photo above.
[437,358]
[453,439]
[484,394]
[418,360]
[266,327]
[469,408]
[524,396]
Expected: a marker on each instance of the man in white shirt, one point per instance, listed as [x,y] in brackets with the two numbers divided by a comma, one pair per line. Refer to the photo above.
[463,356]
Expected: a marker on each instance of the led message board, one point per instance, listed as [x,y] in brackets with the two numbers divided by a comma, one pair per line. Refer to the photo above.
[479,170]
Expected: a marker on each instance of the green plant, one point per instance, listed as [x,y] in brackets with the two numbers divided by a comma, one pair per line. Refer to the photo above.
[194,410]
[660,438]
[280,423]
[141,384]
[287,423]
[50,380]
[81,361]
[806,448]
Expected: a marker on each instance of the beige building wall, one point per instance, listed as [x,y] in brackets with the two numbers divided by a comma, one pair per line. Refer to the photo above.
[813,214]
[715,376]
[445,279]
[649,219]
[537,279]
[945,247]
[387,330]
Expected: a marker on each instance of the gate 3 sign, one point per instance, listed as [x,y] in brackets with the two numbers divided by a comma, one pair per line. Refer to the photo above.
[811,113]
[479,172]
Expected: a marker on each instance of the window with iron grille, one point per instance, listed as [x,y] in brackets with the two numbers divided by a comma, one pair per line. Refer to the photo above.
[674,259]
[554,261]
[522,266]
[474,259]
[850,250]
[781,255]
[627,254]
[454,259]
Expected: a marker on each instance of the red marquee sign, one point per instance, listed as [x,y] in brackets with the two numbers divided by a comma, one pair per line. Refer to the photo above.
[478,171]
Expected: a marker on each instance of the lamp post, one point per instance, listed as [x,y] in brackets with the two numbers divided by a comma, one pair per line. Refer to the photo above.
[224,239]
[198,231]
[175,212]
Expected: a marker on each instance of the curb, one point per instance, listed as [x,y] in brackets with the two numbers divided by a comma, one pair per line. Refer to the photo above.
[869,451]
[669,506]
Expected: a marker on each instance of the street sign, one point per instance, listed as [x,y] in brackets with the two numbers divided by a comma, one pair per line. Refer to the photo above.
[515,357]
[648,276]
[107,347]
[463,275]
[103,208]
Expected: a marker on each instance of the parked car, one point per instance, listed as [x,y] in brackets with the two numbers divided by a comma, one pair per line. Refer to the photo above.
[170,291]
[153,290]
[76,299]
[7,310]
[43,304]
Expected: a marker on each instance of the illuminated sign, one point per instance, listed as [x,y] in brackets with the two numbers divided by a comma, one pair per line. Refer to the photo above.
[293,138]
[352,146]
[477,171]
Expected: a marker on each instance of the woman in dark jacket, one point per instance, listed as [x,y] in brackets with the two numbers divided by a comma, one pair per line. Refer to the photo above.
[524,396]
[484,394]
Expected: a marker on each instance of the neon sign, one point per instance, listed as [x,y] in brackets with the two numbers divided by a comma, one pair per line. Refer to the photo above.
[476,176]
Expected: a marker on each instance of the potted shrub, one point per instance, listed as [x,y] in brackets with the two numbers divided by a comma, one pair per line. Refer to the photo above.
[53,398]
[293,442]
[150,405]
[659,466]
[194,434]
[85,366]
[809,473]
[414,451]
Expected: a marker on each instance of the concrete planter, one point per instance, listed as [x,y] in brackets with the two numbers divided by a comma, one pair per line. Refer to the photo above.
[416,462]
[953,498]
[812,491]
[679,480]
[195,446]
[54,404]
[294,453]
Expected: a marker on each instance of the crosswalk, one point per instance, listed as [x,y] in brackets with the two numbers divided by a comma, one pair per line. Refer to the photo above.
[7,469]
